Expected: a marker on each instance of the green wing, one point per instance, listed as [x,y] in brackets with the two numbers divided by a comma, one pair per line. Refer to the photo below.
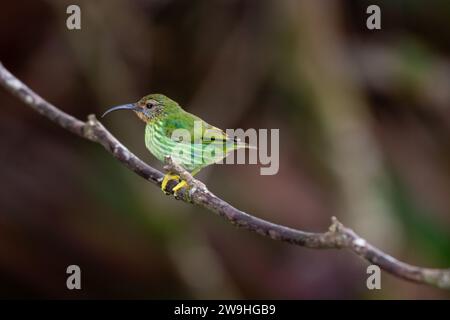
[184,120]
[207,146]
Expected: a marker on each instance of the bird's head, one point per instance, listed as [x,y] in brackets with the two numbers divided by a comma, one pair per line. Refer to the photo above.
[148,108]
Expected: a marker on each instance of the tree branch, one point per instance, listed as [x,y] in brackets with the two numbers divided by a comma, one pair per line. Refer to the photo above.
[337,237]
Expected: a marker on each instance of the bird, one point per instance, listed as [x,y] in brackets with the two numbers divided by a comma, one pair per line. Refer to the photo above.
[171,131]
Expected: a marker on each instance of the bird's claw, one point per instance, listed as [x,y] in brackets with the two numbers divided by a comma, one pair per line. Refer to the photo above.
[169,177]
[180,185]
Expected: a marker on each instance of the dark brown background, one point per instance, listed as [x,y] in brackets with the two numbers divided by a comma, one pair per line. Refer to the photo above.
[364,135]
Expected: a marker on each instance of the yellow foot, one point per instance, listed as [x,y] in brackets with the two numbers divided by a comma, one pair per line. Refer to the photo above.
[168,177]
[179,186]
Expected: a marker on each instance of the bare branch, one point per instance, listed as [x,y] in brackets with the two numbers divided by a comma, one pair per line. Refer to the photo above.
[337,237]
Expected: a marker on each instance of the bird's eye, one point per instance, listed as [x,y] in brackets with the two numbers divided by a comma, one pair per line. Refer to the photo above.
[149,105]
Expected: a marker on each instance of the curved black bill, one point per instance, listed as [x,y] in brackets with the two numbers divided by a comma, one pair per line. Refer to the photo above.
[130,106]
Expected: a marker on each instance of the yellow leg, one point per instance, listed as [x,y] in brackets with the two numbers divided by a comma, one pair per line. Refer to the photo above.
[168,177]
[183,183]
[179,186]
[166,180]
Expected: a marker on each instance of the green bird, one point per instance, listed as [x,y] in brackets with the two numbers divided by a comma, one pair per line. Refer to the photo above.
[187,139]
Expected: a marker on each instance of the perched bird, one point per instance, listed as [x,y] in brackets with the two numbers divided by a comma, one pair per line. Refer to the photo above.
[187,139]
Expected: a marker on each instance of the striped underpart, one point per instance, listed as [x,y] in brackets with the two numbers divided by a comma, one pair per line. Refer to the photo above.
[191,156]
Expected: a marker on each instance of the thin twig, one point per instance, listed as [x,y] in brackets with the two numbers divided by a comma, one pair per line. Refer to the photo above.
[337,237]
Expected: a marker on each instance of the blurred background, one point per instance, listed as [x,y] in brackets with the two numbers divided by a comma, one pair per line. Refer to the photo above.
[364,119]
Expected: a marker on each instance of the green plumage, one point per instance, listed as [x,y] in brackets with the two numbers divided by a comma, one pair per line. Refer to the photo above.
[187,139]
[201,144]
[190,141]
